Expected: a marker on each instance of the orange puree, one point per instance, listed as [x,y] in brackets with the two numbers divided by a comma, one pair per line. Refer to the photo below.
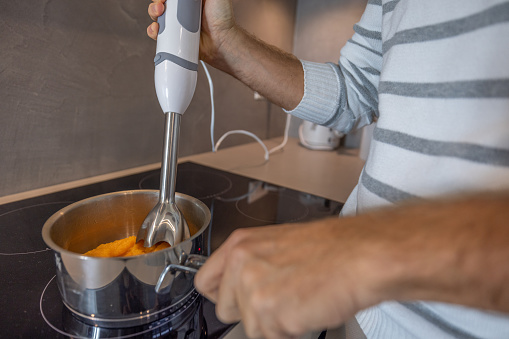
[124,248]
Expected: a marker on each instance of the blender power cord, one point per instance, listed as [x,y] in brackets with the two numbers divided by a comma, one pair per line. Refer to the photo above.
[215,146]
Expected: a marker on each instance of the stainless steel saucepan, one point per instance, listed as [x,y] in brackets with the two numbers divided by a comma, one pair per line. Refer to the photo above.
[121,292]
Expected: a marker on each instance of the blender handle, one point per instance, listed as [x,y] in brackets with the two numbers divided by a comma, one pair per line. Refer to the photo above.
[176,60]
[178,38]
[191,265]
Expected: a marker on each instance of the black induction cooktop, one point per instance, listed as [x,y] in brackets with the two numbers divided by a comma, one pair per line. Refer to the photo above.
[30,306]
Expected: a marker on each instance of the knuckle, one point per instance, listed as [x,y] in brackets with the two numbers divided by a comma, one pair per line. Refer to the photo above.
[238,256]
[289,323]
[251,328]
[251,278]
[279,321]
[239,235]
[226,315]
[291,327]
[263,303]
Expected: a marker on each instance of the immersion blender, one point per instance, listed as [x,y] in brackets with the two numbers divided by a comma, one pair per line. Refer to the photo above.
[176,70]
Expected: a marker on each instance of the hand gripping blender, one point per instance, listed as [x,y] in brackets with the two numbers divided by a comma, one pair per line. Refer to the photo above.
[176,61]
[176,69]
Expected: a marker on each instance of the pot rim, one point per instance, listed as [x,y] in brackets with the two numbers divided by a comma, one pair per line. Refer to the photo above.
[51,220]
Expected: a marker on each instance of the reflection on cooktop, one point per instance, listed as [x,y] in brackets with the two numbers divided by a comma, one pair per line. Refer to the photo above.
[271,205]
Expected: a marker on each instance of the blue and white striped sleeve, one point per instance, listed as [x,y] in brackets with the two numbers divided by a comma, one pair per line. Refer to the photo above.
[344,96]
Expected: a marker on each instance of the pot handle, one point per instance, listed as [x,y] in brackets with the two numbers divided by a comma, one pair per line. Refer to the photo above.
[191,265]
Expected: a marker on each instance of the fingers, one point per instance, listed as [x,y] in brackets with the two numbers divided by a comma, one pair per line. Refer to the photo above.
[233,278]
[155,10]
[210,276]
[218,278]
[247,292]
[152,30]
[266,277]
[227,308]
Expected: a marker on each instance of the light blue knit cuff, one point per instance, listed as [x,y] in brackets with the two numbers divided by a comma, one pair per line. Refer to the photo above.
[321,93]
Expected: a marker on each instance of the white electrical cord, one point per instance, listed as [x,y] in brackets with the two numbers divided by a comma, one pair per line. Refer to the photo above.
[285,137]
[239,131]
[212,110]
[212,121]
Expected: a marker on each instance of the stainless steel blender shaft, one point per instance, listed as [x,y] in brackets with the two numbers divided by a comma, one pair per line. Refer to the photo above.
[165,222]
[170,155]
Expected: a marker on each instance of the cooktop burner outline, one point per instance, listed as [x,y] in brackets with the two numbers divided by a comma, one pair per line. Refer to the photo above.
[299,212]
[225,185]
[25,253]
[150,327]
[14,229]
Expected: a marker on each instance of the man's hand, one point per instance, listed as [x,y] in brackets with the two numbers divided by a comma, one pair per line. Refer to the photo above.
[217,23]
[283,281]
[273,73]
[155,10]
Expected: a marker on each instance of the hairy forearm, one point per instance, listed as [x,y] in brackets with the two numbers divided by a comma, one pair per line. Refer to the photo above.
[273,73]
[452,251]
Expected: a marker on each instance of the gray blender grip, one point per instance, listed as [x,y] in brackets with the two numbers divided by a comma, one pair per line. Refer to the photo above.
[161,56]
[162,23]
[189,14]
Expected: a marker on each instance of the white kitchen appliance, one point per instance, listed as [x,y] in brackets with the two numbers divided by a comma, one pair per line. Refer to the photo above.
[318,137]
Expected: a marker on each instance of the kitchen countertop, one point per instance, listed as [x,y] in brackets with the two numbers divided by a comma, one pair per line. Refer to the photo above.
[329,174]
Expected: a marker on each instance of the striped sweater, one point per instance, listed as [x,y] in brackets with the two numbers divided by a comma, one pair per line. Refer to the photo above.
[434,77]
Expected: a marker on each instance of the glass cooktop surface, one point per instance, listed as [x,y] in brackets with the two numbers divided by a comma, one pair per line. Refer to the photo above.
[31,306]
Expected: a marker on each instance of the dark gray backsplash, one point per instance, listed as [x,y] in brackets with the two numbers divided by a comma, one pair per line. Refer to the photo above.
[77,94]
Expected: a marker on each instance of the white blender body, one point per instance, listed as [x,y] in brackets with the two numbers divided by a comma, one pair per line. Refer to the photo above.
[176,66]
[176,61]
